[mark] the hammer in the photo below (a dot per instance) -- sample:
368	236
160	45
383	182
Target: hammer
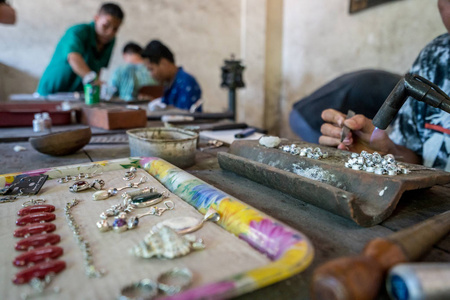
360	277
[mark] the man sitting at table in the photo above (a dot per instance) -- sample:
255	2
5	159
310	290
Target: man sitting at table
82	52
128	78
181	89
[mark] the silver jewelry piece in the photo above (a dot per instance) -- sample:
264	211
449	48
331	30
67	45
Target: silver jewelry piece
102	195
85	247
170	282
145	289
82	185
375	163
175	280
33	202
131	174
80	176
121	223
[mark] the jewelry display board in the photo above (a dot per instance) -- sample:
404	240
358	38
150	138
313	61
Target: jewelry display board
244	251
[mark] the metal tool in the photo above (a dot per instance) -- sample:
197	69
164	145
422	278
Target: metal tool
415	281
360	277
345	130
413	86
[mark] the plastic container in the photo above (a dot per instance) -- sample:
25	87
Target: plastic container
174	145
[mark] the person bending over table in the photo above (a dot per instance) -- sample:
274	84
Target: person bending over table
181	89
128	78
82	52
7	13
421	133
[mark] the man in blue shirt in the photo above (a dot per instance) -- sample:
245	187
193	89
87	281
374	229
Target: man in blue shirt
181	89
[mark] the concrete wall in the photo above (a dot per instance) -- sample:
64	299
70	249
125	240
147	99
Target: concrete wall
321	41
290	47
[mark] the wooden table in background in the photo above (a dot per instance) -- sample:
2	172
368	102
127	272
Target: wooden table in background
331	235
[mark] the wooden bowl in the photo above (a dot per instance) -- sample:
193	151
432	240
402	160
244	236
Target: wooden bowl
62	143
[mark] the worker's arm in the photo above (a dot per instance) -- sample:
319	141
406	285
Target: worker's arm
7	14
363	136
79	66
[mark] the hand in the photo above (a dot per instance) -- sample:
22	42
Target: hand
363	135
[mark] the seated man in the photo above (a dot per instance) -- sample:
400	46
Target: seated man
362	91
82	52
181	88
129	78
421	133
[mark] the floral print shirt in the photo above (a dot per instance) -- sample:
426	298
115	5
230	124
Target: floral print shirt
418	126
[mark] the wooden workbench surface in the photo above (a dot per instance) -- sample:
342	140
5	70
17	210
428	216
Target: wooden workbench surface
331	235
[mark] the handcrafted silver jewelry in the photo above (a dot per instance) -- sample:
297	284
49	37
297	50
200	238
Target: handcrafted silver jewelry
170	282
121	223
144	289
375	163
309	152
85	247
102	195
39	287
131	174
82	185
80	176
33	202
141	200
174	280
166	243
11	198
184	225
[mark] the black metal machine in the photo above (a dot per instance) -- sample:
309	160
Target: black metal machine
232	79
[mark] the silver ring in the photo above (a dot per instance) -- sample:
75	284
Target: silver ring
144	289
174	280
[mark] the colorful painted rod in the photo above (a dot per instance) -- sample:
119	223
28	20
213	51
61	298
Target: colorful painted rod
290	251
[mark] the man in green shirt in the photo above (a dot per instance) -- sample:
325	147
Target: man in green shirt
82	52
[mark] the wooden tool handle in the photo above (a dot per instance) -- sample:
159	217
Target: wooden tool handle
360	277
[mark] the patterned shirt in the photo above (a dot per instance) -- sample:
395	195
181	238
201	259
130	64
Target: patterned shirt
418	126
129	78
183	92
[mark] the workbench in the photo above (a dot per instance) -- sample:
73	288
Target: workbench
331	235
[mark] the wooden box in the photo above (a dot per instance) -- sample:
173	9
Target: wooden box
114	117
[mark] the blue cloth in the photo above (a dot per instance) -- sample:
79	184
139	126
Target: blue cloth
409	127
129	78
183	92
362	91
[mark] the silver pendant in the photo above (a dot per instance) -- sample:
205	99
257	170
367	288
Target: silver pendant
84	185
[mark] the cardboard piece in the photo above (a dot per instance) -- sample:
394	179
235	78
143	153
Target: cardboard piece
114	117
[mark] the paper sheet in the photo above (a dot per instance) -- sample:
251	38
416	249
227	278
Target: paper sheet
227	136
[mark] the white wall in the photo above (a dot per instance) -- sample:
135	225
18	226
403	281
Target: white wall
321	41
201	33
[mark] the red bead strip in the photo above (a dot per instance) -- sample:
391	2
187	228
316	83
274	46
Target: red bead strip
39	271
35	218
38	240
34	228
35	209
38	255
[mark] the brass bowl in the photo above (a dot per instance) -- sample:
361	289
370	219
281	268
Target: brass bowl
62	143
